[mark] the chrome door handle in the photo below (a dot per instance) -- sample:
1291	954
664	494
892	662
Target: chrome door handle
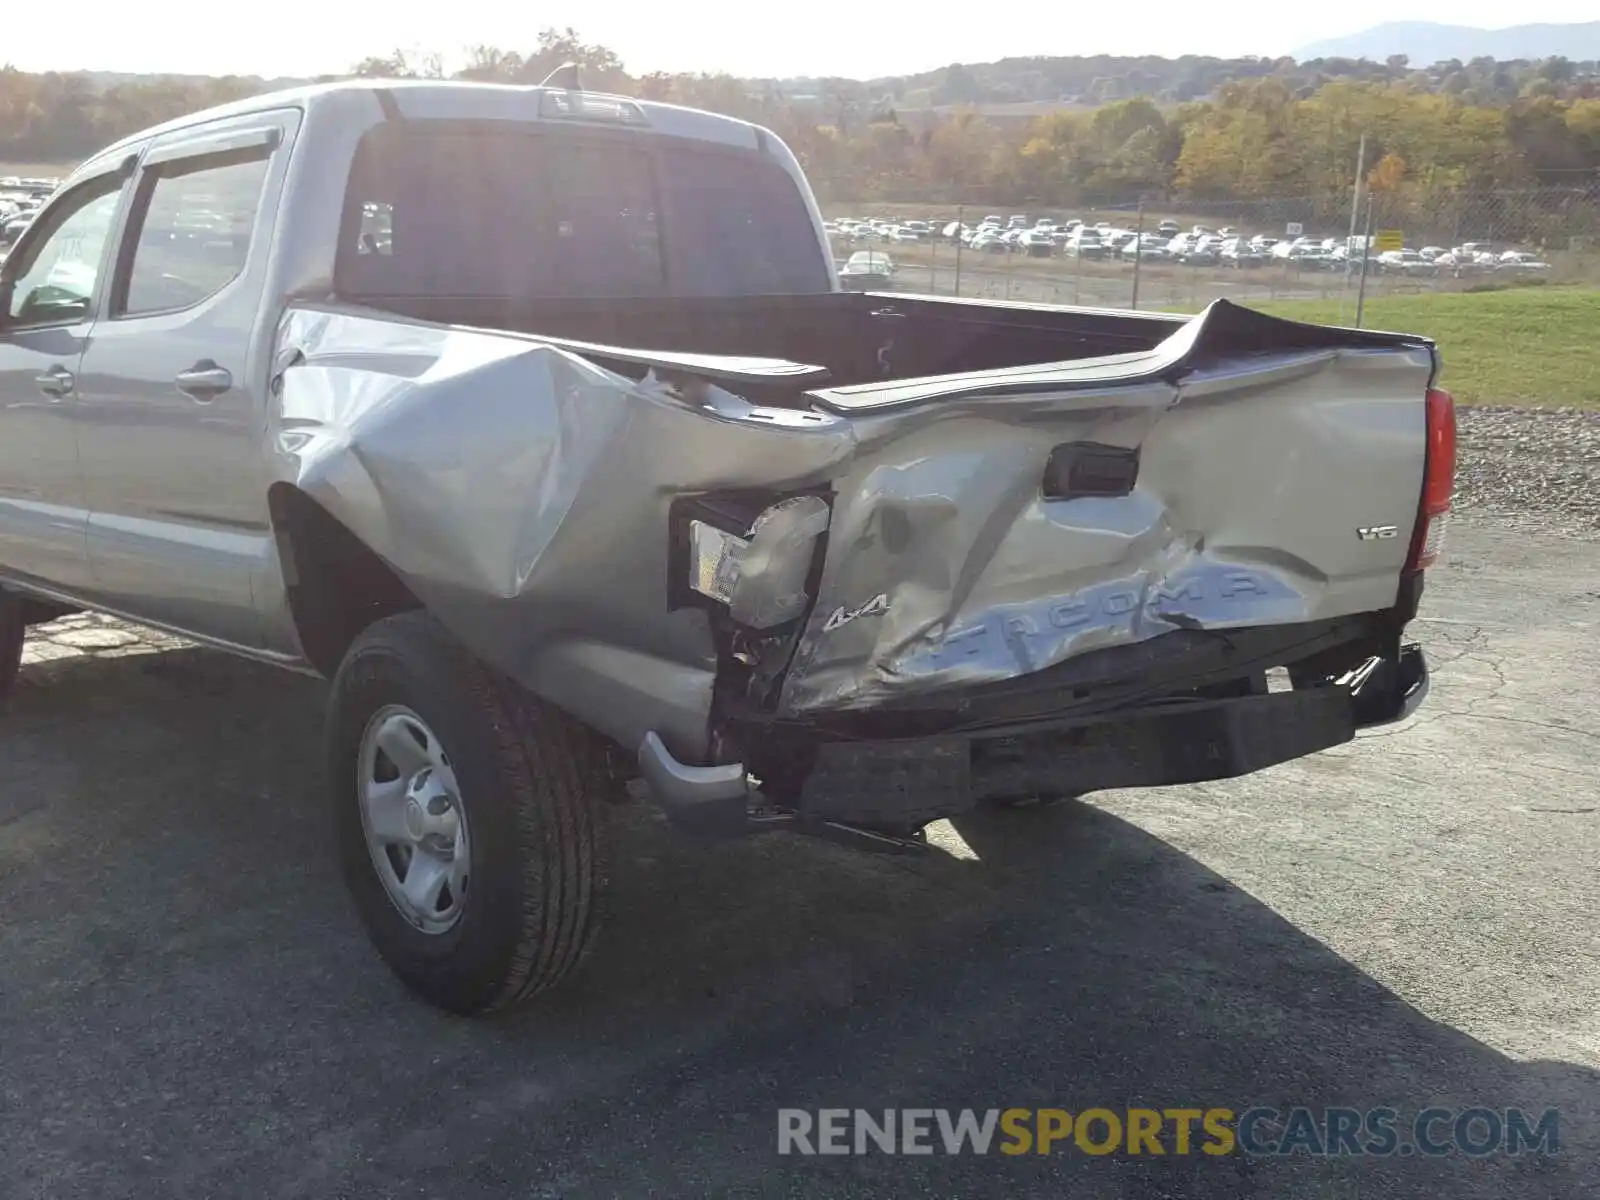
56	382
204	380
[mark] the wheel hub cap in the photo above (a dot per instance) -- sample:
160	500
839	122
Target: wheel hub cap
411	814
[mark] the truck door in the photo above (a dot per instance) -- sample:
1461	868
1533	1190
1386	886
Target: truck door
48	291
170	417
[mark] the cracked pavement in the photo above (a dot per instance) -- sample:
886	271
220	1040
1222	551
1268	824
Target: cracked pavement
190	1009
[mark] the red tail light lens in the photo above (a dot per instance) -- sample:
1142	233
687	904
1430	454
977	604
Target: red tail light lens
1438	481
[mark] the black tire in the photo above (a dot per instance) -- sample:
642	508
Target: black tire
12	632
531	781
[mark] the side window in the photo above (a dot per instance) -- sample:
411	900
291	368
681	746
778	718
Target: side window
377	228
53	280
191	230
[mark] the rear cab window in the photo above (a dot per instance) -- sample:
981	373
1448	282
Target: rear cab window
498	209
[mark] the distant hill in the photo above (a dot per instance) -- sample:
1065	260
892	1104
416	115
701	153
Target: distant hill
1066	82
102	81
1425	43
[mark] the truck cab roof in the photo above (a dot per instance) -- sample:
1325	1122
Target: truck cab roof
428	99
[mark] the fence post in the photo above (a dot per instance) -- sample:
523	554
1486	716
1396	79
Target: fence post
961	224
1366	242
1138	255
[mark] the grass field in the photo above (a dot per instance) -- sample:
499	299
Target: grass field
1526	346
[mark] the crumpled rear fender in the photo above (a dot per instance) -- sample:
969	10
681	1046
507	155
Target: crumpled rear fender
522	492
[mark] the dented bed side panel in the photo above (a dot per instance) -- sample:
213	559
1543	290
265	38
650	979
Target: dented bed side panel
948	568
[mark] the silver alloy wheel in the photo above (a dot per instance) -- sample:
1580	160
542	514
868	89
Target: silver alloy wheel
411	814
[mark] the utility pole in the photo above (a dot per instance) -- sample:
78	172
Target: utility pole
1355	214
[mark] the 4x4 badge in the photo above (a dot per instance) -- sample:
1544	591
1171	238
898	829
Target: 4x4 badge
842	616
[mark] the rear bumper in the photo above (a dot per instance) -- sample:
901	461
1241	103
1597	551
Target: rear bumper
898	785
1391	689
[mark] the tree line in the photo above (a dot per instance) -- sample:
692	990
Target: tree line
1262	128
1103	78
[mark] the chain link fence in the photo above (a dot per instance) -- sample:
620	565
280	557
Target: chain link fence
1252	251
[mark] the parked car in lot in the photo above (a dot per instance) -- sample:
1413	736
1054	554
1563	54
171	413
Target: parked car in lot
1522	260
13	227
867	271
1405	262
592	473
1037	244
1084	242
1193	250
1146	245
1302	254
1240	254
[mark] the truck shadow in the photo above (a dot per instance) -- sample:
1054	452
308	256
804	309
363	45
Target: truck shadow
201	1008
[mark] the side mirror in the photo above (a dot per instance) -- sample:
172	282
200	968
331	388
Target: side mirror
47	304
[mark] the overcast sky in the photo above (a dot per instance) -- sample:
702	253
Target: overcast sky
743	37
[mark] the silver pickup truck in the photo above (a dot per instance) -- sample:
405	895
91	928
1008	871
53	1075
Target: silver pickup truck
537	421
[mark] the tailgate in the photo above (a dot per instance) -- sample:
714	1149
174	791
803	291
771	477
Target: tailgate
1248	471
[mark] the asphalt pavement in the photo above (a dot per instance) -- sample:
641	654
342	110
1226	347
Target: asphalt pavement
188	1008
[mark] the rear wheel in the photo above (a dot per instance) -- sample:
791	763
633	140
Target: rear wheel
467	811
12	631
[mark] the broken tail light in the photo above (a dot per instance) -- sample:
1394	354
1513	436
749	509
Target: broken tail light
1438	481
714	560
761	573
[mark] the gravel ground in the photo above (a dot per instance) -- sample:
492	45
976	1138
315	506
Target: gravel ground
1538	467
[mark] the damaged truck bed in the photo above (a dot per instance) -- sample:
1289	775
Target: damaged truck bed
537	422
735	564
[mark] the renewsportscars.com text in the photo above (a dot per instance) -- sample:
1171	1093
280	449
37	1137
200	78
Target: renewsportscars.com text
1379	1132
